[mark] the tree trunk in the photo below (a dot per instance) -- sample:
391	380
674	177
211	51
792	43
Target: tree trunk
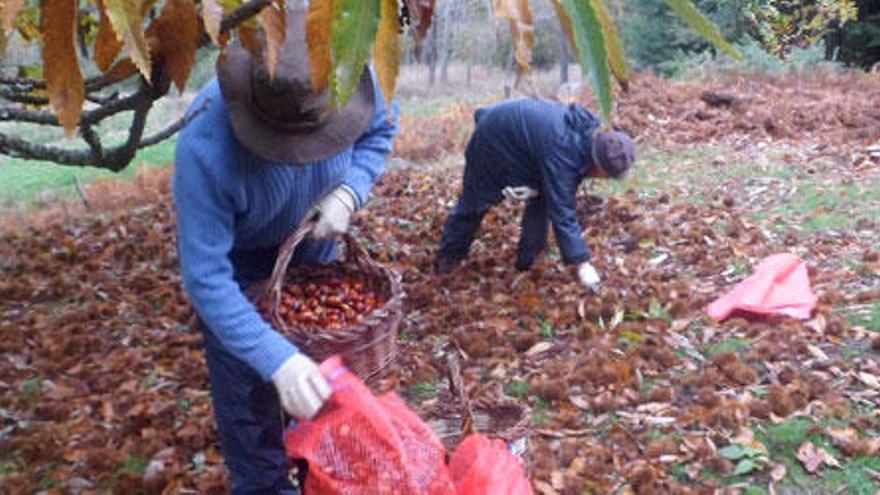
431	50
470	70
563	57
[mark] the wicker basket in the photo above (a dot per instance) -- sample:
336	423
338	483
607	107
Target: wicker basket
368	347
506	421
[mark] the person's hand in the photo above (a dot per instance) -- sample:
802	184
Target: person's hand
302	388
588	276
333	213
519	193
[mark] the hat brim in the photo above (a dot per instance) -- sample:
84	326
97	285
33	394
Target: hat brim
338	131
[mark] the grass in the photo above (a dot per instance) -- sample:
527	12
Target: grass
32	181
733	344
783	441
25	180
422	391
8	468
867	316
814	204
518	389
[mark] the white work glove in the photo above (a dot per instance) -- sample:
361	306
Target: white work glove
519	193
302	388
334	212
588	276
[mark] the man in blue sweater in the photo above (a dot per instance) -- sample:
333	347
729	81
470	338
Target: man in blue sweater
261	155
537	151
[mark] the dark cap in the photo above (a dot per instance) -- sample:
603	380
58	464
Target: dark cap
614	152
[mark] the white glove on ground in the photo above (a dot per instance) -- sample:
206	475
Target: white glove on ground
519	193
588	276
334	212
301	386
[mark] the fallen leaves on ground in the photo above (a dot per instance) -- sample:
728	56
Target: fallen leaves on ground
104	383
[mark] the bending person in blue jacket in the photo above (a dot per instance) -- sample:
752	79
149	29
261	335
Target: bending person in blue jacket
261	155
538	151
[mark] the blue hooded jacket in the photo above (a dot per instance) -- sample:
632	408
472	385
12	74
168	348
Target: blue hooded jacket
537	143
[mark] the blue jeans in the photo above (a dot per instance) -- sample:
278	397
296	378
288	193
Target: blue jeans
250	423
247	410
462	224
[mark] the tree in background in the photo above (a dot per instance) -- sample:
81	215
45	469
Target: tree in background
858	41
780	25
654	37
100	58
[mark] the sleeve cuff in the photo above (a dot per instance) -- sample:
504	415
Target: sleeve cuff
270	353
358	203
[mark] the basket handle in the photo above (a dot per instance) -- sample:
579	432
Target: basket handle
456	385
354	253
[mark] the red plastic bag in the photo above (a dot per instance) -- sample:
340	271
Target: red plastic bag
360	444
779	286
480	466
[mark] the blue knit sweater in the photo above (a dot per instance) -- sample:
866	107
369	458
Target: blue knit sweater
230	201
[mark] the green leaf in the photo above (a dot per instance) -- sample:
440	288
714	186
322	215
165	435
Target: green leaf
517	389
591	48
354	32
616	54
654	307
701	24
617	319
746	466
736	451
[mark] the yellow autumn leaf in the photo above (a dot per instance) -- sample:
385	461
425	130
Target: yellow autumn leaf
565	21
175	36
319	27
10	10
212	15
127	21
64	81
519	16
106	45
616	54
273	20
387	50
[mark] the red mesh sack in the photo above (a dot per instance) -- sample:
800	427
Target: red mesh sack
780	285
480	466
361	444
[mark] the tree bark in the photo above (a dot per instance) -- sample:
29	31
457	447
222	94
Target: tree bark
564	56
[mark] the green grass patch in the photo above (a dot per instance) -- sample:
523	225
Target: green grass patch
783	441
518	389
732	344
867	316
854	476
423	390
25	180
817	206
7	468
755	490
539	411
547	330
134	465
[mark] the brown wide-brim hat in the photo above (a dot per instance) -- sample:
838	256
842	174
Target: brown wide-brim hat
282	118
